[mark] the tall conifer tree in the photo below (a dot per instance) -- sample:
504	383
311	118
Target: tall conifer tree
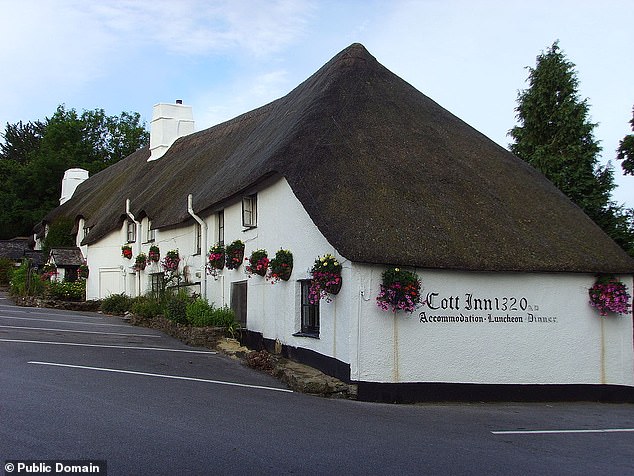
555	136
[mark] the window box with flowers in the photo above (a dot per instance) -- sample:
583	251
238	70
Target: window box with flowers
258	263
216	257
400	291
281	266
234	254
171	261
154	255
126	251
325	279
140	262
609	294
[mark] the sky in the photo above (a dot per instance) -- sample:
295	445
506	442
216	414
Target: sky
227	57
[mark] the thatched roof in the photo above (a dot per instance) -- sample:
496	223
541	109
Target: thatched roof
387	175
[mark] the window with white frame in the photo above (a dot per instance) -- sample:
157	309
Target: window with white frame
151	233
131	231
221	227
249	211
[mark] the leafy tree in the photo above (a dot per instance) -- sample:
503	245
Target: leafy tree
35	155
625	151
555	136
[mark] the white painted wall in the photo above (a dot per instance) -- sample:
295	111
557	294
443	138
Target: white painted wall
578	347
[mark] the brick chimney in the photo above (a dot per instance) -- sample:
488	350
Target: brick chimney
169	122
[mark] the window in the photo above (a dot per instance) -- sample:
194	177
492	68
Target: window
151	234
157	285
198	238
221	227
249	211
86	231
131	231
310	312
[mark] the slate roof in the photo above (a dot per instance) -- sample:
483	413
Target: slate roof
65	257
386	174
14	249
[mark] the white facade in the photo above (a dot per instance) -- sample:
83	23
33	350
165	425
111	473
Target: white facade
482	328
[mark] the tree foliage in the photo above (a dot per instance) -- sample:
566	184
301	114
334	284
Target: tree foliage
555	136
625	151
35	155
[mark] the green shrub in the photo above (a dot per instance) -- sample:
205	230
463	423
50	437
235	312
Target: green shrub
25	281
6	269
146	307
199	313
116	304
225	317
176	307
66	291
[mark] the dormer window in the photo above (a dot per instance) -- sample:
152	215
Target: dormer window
221	227
131	231
151	233
249	211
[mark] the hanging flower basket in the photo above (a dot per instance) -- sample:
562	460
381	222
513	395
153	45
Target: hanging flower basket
216	257
400	291
326	279
140	262
171	261
154	255
126	251
609	294
83	271
281	267
258	263
234	254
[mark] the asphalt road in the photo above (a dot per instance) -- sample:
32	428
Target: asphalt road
91	387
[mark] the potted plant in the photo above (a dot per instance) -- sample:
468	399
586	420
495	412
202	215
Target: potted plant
281	266
216	257
126	251
609	294
258	263
154	254
326	278
171	261
234	254
400	291
140	262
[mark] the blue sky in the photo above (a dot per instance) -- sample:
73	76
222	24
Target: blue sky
226	57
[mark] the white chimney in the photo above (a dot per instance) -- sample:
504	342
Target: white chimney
169	122
70	182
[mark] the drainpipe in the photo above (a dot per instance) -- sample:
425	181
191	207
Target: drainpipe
203	245
137	242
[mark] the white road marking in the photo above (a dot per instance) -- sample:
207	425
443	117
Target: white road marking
39	319
79	332
43	311
548	432
173	377
22	341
